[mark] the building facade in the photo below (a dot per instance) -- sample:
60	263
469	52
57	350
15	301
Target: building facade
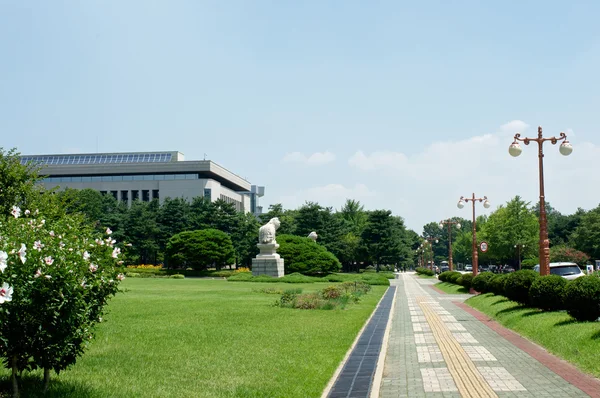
146	176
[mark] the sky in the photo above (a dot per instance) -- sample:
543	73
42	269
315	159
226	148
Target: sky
401	105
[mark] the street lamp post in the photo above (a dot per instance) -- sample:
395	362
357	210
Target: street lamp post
565	149
449	223
518	246
486	204
431	240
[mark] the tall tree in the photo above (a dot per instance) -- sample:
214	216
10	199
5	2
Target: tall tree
330	229
383	239
510	225
586	236
286	218
355	215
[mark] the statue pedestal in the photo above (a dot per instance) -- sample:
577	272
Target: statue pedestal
268	262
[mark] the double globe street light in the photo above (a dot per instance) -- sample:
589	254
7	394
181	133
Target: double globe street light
565	149
486	204
450	223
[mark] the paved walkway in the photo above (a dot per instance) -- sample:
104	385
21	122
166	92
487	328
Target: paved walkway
437	349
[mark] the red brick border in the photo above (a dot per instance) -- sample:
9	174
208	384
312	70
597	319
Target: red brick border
570	373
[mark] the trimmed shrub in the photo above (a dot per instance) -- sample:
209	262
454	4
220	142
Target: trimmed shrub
177	276
547	292
517	285
424	271
496	284
465	281
582	298
453	277
481	281
303	255
444	276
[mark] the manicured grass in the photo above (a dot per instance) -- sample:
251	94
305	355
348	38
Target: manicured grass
211	338
451	288
576	342
426	276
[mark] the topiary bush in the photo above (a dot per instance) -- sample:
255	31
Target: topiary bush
303	255
453	277
424	271
582	298
444	276
517	285
481	281
547	292
496	284
465	281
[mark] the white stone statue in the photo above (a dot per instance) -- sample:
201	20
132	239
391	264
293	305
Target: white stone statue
313	235
266	233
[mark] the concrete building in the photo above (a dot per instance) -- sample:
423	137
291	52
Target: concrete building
146	176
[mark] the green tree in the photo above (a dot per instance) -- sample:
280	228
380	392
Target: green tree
17	183
245	239
141	231
355	215
508	226
200	249
287	218
330	229
384	239
586	236
306	256
564	253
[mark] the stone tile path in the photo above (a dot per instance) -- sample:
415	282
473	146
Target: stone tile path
437	349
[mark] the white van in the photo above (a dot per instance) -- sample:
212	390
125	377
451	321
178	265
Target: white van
568	271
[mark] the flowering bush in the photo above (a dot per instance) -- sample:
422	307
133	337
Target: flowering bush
56	278
564	253
241	269
145	266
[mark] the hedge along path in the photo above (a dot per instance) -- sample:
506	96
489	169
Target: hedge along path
469	381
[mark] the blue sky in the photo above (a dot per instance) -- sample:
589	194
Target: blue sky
401	105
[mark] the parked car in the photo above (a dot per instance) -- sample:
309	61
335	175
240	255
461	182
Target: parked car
469	268
568	271
444	268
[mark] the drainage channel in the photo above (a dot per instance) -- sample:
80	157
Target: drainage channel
356	377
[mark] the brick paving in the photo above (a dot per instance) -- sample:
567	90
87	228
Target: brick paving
439	348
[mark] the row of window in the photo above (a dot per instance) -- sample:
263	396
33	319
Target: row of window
135	195
99	159
138	177
238	205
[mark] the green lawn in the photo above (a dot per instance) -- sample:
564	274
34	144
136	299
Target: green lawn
212	338
576	342
451	288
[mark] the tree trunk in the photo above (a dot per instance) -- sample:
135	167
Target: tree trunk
46	379
15	383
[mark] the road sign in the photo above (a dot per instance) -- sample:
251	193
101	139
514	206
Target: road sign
484	246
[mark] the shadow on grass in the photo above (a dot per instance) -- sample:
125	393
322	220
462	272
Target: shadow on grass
567	322
504	300
32	387
532	312
596	335
511	309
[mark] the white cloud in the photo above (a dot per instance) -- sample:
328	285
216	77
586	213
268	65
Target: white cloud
425	186
514	126
316	159
327	195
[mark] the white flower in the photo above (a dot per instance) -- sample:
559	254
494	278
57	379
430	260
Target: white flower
3	258
27	212
83	285
120	262
36	212
116	251
48	260
5	293
129	245
43	222
37	245
108	231
100	242
38	273
51	233
93	268
48	276
70	249
120	277
22	253
86	255
61	244
16	212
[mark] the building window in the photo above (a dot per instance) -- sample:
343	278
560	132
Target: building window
155	194
146	195
125	196
135	195
207	193
115	194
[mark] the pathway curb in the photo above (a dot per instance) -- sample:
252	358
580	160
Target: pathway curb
376	384
564	369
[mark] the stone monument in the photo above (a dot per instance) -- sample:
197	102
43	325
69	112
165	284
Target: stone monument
268	262
313	235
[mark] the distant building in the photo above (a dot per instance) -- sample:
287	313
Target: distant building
146	176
